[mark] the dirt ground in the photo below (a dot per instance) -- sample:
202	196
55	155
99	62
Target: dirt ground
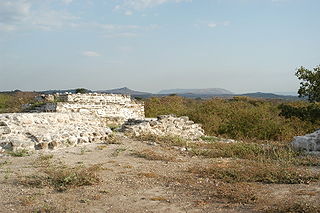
129	183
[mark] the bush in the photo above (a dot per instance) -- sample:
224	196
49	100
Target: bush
13	101
238	118
310	113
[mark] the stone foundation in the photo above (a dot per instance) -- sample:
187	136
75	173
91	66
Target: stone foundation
165	125
113	106
50	130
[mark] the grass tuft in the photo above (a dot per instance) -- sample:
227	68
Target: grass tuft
63	178
151	155
19	153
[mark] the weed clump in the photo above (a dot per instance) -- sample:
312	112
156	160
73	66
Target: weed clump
151	155
63	178
19	153
163	140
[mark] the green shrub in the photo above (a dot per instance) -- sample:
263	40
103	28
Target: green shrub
238	118
311	112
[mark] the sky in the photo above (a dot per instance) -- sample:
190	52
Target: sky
150	45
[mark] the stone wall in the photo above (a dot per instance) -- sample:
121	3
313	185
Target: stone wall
165	125
50	130
118	106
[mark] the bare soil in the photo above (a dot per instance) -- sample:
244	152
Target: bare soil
136	176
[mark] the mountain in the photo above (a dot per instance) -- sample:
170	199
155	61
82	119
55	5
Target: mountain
61	91
125	90
270	96
287	93
188	93
208	91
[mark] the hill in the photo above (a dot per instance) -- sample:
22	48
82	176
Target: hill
125	90
207	91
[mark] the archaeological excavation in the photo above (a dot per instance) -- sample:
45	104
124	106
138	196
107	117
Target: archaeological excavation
64	120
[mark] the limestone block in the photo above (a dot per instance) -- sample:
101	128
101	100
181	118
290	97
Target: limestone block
309	142
50	130
164	125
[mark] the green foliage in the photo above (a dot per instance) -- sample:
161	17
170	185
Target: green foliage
238	118
310	83
310	112
81	90
19	153
13	101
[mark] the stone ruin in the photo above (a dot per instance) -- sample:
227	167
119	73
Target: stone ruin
309	143
63	120
113	107
165	125
50	130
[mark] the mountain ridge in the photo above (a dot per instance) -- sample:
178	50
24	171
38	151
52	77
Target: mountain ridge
213	91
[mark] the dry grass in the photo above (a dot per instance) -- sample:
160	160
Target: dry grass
118	151
236	193
63	178
113	139
19	153
49	209
249	171
101	147
152	155
148	174
163	140
159	198
293	206
208	190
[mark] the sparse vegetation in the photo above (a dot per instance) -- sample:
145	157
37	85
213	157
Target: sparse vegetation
292	205
4	163
118	151
152	155
113	139
19	153
163	140
249	171
63	177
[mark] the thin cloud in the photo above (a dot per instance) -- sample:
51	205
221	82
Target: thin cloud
216	24
18	15
13	11
90	54
143	4
212	25
67	1
121	35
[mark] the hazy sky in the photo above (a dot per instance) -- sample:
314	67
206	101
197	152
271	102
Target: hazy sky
149	45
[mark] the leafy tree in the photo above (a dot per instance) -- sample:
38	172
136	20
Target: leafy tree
310	85
81	90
